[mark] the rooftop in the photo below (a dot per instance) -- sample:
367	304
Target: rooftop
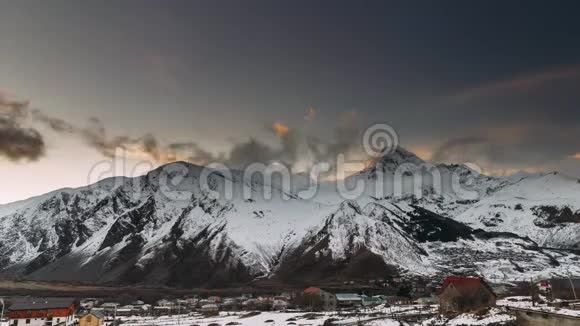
348	297
40	303
312	291
465	285
97	314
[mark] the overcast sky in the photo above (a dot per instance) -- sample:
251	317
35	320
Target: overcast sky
491	82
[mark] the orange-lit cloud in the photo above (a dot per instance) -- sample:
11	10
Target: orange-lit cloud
281	129
524	82
311	115
576	156
423	152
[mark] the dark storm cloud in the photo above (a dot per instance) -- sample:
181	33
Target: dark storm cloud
23	143
287	150
146	146
298	146
16	141
250	152
55	124
508	149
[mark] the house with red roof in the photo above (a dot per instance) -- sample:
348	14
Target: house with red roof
41	312
461	294
316	298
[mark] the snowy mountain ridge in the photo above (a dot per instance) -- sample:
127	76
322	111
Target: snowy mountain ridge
143	231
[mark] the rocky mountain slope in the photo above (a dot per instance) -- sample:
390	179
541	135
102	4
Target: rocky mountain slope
165	229
545	207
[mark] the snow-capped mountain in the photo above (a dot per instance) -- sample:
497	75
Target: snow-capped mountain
544	207
169	228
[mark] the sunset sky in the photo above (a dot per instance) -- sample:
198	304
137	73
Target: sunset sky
491	82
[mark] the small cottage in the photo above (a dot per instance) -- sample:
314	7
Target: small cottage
465	294
348	300
95	318
319	299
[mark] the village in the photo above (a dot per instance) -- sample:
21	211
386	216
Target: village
457	300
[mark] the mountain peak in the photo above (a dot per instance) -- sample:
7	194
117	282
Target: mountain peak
391	161
401	155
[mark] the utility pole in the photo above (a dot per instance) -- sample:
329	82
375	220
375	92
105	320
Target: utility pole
115	316
178	312
2	315
552	288
573	288
532	294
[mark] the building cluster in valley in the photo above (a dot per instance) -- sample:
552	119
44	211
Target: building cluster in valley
454	295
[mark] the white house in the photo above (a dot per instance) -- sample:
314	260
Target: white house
42	312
